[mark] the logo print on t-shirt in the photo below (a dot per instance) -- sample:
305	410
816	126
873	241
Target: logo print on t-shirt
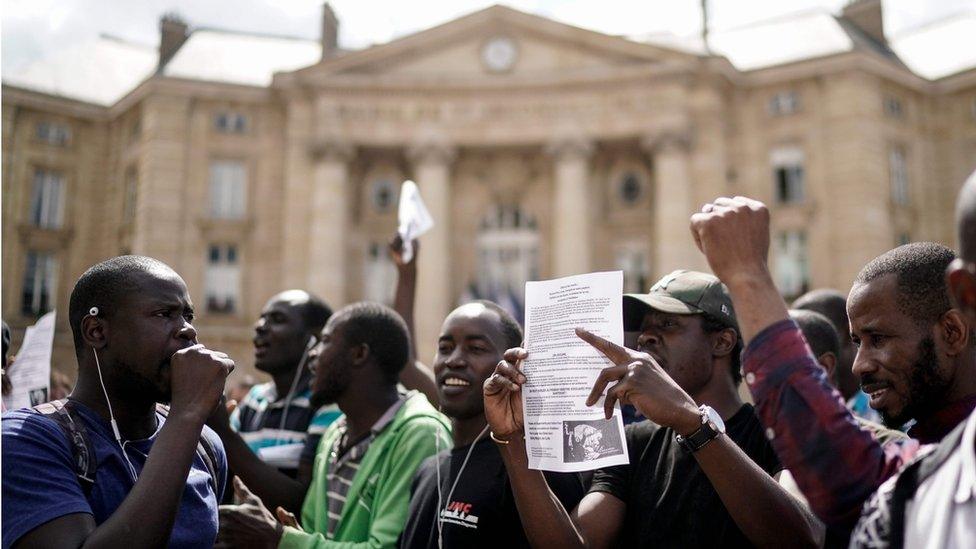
459	512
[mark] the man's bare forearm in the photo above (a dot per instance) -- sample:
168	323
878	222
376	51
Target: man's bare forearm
403	302
757	302
546	522
415	375
146	516
761	508
271	485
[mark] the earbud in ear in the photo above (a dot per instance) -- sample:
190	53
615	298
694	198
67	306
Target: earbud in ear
93	311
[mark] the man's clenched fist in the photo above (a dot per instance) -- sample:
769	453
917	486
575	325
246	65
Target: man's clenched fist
733	233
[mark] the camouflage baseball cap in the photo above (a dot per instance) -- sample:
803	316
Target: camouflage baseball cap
684	293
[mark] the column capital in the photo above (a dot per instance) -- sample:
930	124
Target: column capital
431	152
331	149
667	141
570	147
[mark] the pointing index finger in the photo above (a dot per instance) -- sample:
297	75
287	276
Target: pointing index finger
611	350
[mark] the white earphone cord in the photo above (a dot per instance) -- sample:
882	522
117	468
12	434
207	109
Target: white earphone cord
437	469
291	391
111	415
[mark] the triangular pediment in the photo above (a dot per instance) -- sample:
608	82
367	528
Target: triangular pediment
495	42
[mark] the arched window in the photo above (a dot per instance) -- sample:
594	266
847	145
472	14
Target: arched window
508	256
380	274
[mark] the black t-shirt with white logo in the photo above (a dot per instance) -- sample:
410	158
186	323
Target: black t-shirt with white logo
481	512
670	501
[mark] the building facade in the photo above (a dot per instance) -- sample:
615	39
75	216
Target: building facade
541	150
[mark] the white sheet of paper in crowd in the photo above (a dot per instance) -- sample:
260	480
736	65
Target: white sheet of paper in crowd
562	433
412	217
30	374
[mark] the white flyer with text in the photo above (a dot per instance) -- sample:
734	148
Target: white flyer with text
30	374
562	433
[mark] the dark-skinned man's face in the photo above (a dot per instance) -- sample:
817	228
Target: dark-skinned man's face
150	324
330	363
897	360
680	345
468	349
280	333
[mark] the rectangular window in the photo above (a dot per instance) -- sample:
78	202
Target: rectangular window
230	122
788	175
893	107
47	199
53	133
898	175
784	103
792	263
40	283
228	189
633	262
130	196
223	279
380	275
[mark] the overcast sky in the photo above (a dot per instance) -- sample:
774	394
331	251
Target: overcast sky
32	29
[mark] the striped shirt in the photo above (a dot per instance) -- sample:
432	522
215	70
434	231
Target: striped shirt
344	462
281	435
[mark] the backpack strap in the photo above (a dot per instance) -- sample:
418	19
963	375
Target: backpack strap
913	475
205	451
81	447
208	453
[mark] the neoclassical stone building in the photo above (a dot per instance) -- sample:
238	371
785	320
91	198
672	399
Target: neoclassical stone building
253	164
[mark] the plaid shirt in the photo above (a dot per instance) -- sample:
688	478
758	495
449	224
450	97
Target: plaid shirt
835	463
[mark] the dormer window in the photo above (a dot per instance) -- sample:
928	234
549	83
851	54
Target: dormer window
893	107
784	103
230	122
53	133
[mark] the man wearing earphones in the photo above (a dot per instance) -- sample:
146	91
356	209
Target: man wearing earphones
272	435
147	483
275	418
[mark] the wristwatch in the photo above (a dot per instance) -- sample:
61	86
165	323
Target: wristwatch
711	427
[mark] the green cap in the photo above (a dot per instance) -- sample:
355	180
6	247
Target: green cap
683	293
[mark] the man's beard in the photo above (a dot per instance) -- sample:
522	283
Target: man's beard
927	387
333	386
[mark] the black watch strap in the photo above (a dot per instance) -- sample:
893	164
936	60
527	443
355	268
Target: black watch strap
697	440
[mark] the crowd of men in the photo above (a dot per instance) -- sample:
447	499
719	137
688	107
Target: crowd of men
861	431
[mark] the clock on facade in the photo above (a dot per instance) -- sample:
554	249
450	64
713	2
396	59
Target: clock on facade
499	53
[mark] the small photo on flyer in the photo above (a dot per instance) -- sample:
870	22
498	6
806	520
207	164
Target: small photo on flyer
590	440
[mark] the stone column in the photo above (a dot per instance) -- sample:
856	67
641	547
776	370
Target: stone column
572	230
435	284
296	214
329	222
673	205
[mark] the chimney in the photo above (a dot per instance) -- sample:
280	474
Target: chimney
330	32
172	34
866	15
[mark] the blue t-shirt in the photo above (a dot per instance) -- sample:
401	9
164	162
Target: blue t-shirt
40	483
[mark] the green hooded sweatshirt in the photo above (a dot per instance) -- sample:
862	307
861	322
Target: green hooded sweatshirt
379	498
